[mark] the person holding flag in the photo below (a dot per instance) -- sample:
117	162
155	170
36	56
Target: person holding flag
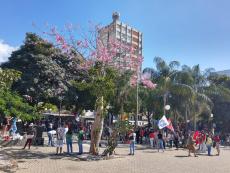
160	141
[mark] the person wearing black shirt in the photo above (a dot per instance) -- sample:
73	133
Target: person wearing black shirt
176	140
160	141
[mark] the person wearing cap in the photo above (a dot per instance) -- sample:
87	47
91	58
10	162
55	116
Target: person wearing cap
30	134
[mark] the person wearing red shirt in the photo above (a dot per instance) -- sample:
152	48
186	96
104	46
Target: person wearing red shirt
151	138
217	143
142	132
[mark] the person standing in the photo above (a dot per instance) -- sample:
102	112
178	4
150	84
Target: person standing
60	138
151	139
160	141
13	128
170	139
69	141
132	139
66	130
209	144
50	134
138	135
6	123
176	140
142	132
30	135
217	144
80	141
164	140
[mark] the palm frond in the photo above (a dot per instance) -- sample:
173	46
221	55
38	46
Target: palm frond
174	65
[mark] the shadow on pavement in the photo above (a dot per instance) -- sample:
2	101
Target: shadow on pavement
155	151
22	155
7	170
181	156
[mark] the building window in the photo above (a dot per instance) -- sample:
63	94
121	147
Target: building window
123	36
123	29
135	33
135	40
129	39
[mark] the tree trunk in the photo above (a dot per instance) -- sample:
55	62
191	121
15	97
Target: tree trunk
194	122
186	117
112	144
97	128
164	99
137	108
149	119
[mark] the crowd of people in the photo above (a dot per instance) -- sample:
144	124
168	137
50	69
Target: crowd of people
60	133
196	142
65	134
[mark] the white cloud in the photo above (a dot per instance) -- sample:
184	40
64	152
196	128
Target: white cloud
5	51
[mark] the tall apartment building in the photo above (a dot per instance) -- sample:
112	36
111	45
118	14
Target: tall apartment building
120	31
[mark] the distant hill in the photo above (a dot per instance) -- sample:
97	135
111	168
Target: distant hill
224	72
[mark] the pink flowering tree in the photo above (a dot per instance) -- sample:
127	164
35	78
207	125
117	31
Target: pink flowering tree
102	59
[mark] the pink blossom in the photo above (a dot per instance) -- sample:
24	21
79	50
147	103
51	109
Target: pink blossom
93	53
64	46
79	42
148	84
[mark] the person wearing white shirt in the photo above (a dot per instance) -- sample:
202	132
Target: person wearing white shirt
132	139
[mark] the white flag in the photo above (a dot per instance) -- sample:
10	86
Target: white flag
163	122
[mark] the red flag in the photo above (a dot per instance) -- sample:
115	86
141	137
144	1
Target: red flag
170	126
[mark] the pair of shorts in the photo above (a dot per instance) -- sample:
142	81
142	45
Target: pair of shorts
59	143
217	145
191	147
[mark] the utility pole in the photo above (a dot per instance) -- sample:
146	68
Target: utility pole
137	96
137	109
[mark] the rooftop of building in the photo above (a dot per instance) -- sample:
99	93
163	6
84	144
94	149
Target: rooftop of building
116	19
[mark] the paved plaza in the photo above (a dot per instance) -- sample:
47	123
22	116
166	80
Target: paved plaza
44	160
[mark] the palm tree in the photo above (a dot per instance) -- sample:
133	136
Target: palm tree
196	100
164	76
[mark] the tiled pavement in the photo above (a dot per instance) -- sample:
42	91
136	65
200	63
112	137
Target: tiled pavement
44	160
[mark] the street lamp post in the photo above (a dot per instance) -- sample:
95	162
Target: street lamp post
60	107
60	98
187	125
166	109
212	128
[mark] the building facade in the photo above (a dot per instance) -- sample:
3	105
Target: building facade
125	34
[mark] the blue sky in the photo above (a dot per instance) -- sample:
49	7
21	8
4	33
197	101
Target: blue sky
191	31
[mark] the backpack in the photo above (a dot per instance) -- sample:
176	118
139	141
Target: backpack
131	138
81	136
